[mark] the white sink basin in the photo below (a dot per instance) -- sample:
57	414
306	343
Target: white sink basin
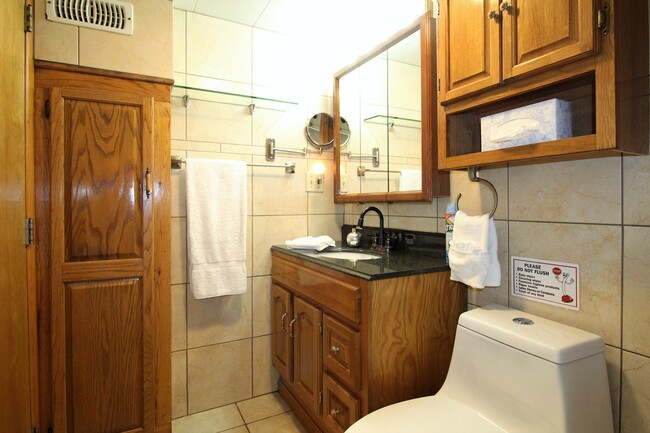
348	255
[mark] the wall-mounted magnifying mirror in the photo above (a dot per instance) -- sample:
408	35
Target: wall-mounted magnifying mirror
320	131
389	97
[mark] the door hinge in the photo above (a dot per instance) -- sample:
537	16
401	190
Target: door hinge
320	397
29	18
603	19
29	231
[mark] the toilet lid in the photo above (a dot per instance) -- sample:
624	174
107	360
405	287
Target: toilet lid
435	414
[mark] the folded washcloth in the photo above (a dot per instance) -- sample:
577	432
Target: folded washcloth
473	251
311	243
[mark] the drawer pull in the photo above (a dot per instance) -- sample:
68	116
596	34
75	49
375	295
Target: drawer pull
282	323
291	328
334	413
335	349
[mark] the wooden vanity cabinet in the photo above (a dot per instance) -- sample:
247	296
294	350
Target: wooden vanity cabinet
345	346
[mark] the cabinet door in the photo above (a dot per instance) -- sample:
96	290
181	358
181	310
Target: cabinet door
539	34
102	315
282	348
307	365
342	351
469	47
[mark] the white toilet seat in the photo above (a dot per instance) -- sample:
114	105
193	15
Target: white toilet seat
434	414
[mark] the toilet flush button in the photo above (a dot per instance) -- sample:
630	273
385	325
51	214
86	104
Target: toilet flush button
523	321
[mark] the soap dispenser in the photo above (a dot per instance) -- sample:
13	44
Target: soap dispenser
354	238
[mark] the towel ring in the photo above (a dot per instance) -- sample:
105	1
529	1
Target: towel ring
472	173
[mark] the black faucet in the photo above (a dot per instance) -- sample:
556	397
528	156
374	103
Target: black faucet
382	235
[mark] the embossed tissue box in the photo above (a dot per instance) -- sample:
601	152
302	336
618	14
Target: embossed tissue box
535	123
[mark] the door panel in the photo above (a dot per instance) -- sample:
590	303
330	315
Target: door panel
539	34
282	314
307	364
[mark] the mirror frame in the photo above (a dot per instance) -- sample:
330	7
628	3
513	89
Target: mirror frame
434	182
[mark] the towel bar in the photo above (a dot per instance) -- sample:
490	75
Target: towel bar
289	167
472	173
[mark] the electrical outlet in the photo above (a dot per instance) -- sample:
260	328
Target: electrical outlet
315	182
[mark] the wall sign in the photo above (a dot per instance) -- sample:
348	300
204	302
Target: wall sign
553	283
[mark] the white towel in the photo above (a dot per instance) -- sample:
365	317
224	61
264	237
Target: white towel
216	227
473	251
410	180
310	243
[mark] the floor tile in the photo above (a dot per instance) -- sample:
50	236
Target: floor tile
262	407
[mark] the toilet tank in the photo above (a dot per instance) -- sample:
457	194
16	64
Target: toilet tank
529	374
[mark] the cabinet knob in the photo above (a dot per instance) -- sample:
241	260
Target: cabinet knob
334	413
335	349
493	15
505	7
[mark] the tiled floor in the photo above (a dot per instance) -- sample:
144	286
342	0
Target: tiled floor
265	414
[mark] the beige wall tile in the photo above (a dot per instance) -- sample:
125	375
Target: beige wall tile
636	290
420	224
586	191
220	319
613	359
495	295
179	317
329	225
226	57
276	62
429	210
635	398
278	193
55	42
261	306
178	188
597	250
219	375
218	122
179	40
265	376
179	121
211	421
286	423
151	43
477	197
179	384
285	123
323	202
261	407
636	190
179	250
272	230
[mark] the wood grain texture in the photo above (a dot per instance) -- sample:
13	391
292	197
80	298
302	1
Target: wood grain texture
342	352
307	370
340	407
281	342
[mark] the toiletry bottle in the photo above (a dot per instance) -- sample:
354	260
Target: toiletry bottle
450	215
354	238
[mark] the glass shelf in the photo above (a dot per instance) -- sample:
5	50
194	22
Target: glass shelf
251	101
394	121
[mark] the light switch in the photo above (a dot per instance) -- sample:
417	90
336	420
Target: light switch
315	182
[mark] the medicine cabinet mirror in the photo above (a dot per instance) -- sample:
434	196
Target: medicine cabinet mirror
388	96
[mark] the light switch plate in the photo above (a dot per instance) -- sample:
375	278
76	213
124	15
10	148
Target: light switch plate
315	182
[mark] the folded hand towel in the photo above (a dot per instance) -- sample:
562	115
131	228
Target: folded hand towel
473	251
311	243
410	180
216	227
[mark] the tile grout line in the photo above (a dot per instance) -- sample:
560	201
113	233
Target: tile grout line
622	252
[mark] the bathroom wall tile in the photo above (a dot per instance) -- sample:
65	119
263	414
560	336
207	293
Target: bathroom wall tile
271	230
249	246
178	188
442	205
179	41
205	146
261	306
265	376
219	375
55	42
636	190
321	102
276	62
226	57
243	149
178	147
179	120
218	122
261	407
635	395
587	191
278	193
414	209
179	250
495	295
597	249
151	43
636	288
211	421
286	423
179	317
371	218
414	223
220	319
179	384
613	359
323	202
476	197
329	225
283	122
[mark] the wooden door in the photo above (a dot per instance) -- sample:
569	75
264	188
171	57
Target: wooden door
307	363
101	145
539	34
469	47
282	343
15	416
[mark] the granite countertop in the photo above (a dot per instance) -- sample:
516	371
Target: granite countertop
391	264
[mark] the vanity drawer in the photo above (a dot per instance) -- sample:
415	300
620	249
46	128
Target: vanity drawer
340	408
342	351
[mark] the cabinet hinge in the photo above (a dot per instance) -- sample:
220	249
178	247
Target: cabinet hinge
320	328
438	84
603	19
29	231
320	397
29	18
47	109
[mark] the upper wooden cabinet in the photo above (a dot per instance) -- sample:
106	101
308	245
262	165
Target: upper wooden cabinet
591	55
485	42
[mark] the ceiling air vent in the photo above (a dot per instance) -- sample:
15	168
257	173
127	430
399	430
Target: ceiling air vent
112	16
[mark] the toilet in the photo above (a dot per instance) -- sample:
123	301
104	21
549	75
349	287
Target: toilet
510	372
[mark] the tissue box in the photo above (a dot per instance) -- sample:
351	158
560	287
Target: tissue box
535	123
